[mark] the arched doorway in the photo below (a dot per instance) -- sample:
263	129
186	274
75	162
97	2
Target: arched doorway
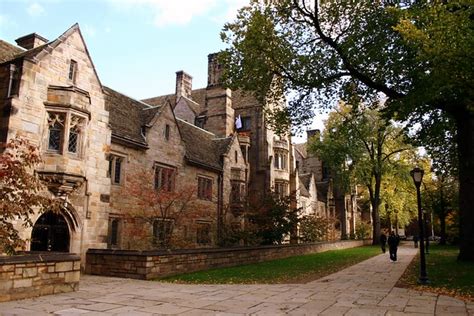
50	233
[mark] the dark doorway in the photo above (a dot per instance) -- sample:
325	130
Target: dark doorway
50	233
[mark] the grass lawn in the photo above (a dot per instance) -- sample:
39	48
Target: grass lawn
299	269
447	275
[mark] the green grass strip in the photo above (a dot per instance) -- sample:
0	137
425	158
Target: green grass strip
447	275
298	269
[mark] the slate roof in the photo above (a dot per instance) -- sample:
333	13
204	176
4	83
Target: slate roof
8	51
303	190
127	116
198	100
301	148
202	147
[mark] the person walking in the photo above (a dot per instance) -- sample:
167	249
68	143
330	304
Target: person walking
393	241
415	240
383	241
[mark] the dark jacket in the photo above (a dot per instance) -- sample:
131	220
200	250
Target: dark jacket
393	241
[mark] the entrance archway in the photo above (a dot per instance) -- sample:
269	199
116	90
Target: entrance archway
50	233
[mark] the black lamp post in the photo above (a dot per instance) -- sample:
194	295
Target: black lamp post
427	227
417	175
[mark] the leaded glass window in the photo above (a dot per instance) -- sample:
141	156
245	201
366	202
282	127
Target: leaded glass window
56	130
74	134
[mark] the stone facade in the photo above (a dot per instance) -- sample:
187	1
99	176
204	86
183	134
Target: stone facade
27	276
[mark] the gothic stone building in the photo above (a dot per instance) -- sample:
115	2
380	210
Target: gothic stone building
94	140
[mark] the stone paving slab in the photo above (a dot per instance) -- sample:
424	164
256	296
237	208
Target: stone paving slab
364	289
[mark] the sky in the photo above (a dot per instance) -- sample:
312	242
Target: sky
136	45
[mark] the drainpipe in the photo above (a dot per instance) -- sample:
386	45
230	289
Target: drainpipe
10	79
220	205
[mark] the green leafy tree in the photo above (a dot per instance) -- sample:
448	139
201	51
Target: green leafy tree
417	53
22	192
362	147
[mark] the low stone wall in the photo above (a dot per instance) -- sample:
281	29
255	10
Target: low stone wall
30	275
153	264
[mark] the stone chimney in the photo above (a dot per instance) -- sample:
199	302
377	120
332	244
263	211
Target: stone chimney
184	85
313	132
31	41
214	70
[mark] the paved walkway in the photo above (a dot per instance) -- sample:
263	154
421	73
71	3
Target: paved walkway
366	288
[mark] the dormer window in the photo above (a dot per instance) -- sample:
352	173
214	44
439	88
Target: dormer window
72	70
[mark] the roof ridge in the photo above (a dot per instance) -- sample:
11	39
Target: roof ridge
197	127
131	98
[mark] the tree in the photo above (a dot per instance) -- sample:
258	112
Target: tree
161	209
362	147
417	54
23	194
441	199
271	219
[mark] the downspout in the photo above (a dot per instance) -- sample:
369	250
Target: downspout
220	205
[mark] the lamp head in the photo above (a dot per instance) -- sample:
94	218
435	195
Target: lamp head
417	175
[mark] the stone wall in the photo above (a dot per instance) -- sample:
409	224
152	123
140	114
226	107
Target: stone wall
154	264
33	275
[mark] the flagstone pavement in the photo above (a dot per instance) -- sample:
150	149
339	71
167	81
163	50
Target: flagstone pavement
364	289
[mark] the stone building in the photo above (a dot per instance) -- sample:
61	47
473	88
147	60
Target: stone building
94	141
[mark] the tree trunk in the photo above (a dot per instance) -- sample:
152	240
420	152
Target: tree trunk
442	227
465	140
375	201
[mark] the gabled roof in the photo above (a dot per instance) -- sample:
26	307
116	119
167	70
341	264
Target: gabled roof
127	116
42	50
196	102
202	147
301	149
303	190
8	51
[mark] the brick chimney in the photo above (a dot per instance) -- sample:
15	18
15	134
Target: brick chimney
31	41
184	85
214	70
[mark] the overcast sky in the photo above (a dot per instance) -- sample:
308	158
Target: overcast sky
136	45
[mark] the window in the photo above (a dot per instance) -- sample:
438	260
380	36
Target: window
75	129
162	229
114	232
200	121
236	156
65	132
246	123
281	188
280	161
164	178
56	122
204	188
72	70
203	233
244	152
115	169
237	192
167	132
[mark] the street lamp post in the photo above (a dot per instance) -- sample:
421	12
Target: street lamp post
417	175
427	225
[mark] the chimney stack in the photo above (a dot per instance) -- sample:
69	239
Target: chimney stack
184	85
214	70
30	41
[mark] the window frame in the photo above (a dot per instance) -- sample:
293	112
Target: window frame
69	117
72	73
113	158
159	239
170	180
246	124
206	238
204	188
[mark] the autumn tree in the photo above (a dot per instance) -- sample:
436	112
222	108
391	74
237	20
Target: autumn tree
361	147
418	54
22	192
159	207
